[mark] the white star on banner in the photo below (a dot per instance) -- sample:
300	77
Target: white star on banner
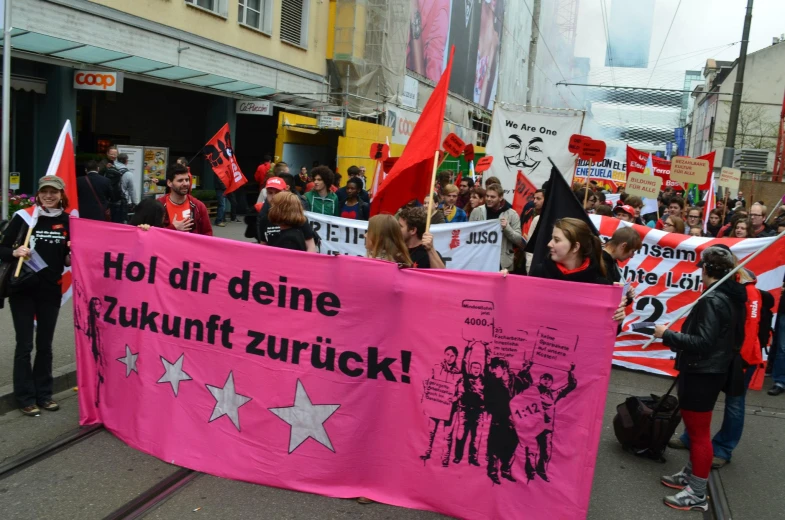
227	402
306	419
174	373
129	360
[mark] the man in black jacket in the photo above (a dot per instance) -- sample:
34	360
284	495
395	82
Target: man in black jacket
94	192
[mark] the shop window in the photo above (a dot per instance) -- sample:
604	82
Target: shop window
257	14
294	22
218	7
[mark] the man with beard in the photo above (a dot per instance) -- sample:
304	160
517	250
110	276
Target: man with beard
183	211
496	207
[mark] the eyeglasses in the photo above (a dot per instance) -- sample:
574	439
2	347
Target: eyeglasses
667	224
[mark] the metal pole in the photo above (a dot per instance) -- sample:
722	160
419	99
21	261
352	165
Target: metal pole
6	123
687	308
733	120
533	52
779	203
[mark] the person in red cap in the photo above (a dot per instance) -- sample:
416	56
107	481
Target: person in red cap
625	213
265	231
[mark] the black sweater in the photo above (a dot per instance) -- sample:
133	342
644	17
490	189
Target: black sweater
50	240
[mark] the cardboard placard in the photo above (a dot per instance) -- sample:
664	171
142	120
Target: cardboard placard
379	152
689	170
730	178
454	145
642	185
468	152
592	150
483	164
576	140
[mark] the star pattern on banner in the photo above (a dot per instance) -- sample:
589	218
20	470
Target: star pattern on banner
174	373
306	419
129	360
227	401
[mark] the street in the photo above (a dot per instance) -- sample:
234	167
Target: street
94	477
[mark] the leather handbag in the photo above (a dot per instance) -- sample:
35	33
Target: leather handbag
7	268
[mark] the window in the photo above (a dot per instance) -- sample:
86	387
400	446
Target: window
256	13
214	6
294	22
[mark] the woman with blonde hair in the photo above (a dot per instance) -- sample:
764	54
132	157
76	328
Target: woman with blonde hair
384	240
286	212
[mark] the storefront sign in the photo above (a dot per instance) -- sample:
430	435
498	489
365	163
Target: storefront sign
331	122
409	94
98	80
255	108
13	181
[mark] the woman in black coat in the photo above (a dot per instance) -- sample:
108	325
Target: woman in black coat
35	298
710	338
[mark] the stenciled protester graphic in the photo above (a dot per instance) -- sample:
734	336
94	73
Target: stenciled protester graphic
471	405
539	448
89	327
446	375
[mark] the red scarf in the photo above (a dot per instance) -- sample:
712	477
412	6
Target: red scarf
565	271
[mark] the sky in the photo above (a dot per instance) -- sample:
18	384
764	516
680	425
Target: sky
702	29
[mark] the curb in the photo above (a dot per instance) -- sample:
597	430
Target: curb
719	501
64	378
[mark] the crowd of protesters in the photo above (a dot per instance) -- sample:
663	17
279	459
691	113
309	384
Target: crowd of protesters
717	349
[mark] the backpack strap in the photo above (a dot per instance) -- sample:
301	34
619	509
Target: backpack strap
87	178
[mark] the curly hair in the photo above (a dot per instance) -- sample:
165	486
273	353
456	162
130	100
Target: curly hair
327	175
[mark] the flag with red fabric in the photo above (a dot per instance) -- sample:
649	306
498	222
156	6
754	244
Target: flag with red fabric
410	178
636	162
219	152
523	190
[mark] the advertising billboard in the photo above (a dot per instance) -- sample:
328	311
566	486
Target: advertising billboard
474	27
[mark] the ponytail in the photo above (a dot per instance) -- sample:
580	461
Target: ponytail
596	251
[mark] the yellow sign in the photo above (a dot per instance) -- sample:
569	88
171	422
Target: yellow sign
730	178
13	181
642	185
689	170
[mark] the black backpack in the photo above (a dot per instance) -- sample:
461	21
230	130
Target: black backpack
115	177
644	425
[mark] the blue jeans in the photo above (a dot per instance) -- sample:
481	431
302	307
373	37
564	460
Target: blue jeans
726	440
219	216
778	371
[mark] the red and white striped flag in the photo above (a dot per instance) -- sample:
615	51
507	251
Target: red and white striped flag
711	202
666	278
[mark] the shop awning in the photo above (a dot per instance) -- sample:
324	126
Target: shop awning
99	58
27	84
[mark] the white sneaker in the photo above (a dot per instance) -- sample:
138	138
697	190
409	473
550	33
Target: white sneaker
686	500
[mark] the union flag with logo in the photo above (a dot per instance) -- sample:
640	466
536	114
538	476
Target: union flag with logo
219	152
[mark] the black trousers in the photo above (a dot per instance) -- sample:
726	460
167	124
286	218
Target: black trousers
33	382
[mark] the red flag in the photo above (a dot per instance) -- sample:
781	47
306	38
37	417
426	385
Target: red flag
220	153
636	162
63	164
410	178
458	179
523	190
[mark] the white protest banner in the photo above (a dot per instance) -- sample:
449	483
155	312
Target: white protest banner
666	278
469	246
523	141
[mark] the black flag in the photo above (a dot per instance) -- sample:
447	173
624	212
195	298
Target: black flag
560	202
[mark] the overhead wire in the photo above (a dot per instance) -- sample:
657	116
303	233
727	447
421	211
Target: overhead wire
664	41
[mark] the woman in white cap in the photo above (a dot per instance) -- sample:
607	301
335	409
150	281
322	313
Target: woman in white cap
35	295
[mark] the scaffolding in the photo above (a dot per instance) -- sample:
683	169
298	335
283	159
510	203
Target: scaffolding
369	58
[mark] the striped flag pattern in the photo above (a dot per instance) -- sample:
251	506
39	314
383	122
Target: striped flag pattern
666	278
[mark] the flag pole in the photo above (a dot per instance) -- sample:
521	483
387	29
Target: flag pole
21	258
687	308
430	191
586	194
724	206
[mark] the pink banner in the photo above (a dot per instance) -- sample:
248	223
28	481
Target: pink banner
471	395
